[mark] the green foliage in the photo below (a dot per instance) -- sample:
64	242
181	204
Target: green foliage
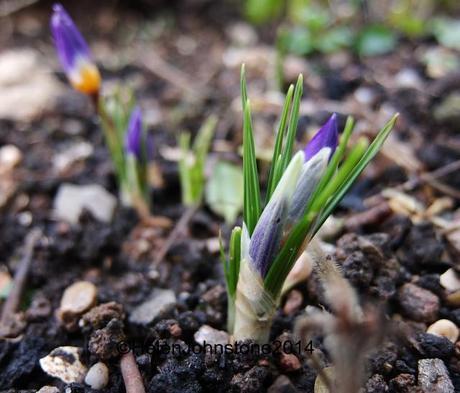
375	40
447	32
224	191
263	11
193	160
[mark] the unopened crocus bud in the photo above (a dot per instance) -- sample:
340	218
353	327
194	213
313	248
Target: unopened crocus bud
73	53
327	136
133	138
312	172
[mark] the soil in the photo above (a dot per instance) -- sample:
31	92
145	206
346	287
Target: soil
392	254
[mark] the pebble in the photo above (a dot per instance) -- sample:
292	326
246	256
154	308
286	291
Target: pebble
158	301
450	280
444	328
433	377
78	151
71	199
417	303
289	362
242	34
293	303
320	386
10	156
282	384
99	316
98	376
433	346
210	335
76	300
48	389
408	78
64	363
449	109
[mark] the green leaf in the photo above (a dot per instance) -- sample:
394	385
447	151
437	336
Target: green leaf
375	40
252	209
224	191
271	184
234	260
334	39
298	41
262	11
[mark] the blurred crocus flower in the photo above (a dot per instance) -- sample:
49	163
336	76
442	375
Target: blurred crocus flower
74	53
133	139
327	136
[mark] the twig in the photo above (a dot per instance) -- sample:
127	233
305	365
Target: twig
131	375
178	229
14	298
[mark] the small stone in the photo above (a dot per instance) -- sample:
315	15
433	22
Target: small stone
76	300
403	383
64	363
432	346
365	95
282	384
158	301
450	280
417	303
433	377
444	328
10	156
376	384
207	334
99	316
98	376
108	342
76	152
289	362
242	34
71	199
449	109
293	303
48	389
320	385
408	78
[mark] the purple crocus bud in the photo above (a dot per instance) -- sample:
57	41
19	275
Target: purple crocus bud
327	136
133	138
73	53
266	237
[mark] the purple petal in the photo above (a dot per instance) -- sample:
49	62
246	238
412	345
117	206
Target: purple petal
69	42
327	136
266	238
133	137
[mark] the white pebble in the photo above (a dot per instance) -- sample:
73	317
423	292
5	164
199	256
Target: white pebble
444	328
79	297
98	376
10	156
64	363
450	280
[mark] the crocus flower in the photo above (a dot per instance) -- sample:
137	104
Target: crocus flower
133	139
73	53
327	136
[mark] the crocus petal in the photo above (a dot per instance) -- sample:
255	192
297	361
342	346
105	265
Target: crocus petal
327	136
286	186
134	133
310	176
73	52
266	237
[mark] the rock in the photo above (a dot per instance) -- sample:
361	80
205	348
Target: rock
376	384
289	362
207	334
282	384
444	328
242	34
365	96
293	302
98	376
99	316
417	303
48	389
320	386
432	346
76	300
10	156
64	363
408	78
76	152
403	383
158	301
449	109
433	377
71	199
450	280
27	87
108	342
